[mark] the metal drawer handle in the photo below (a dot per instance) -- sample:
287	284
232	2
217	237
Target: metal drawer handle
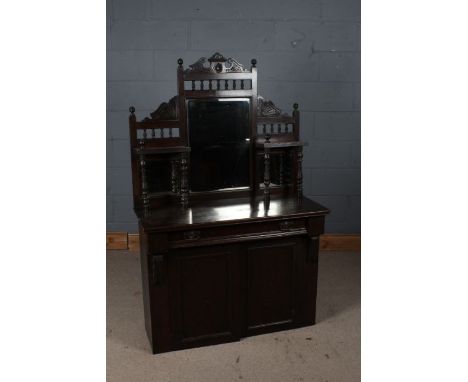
285	226
192	235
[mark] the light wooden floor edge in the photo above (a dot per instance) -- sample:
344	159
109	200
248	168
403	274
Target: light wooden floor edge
328	242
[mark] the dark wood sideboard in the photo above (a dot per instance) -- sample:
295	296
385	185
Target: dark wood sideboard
229	245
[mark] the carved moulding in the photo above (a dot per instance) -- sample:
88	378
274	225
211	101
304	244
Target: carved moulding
268	108
167	110
217	63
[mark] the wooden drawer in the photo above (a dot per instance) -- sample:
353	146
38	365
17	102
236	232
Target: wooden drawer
237	233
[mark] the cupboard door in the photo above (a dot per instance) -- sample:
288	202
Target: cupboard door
273	275
205	296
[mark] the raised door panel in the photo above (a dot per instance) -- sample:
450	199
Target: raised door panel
272	279
204	296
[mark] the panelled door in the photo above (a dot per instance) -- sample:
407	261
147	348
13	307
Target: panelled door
222	293
205	298
274	276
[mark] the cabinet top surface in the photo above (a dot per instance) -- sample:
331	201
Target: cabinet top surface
226	211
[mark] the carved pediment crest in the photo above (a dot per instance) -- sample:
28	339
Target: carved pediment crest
202	65
267	108
217	63
167	110
217	57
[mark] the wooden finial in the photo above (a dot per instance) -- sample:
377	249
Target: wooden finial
132	109
254	62
296	106
180	61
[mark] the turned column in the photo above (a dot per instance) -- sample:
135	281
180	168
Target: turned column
299	172
184	180
144	182
266	174
174	183
281	169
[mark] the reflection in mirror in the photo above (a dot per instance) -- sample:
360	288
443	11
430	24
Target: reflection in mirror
219	140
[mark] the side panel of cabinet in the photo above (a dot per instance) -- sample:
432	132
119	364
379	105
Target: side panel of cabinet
274	275
205	296
310	282
145	283
155	292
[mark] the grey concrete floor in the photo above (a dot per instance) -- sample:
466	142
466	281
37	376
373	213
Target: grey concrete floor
328	351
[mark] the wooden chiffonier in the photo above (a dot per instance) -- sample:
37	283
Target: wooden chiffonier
229	245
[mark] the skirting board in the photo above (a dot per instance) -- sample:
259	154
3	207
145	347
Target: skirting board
328	242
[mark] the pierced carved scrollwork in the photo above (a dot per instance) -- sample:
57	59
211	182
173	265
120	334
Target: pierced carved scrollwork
201	65
217	63
233	66
217	57
268	108
167	110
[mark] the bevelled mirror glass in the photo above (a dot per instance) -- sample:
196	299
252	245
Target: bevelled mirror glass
219	141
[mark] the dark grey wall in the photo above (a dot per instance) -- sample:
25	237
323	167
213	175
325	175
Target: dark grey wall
308	51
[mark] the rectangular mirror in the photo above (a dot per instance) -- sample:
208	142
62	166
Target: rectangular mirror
220	141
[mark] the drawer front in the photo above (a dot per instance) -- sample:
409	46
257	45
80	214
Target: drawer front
237	232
